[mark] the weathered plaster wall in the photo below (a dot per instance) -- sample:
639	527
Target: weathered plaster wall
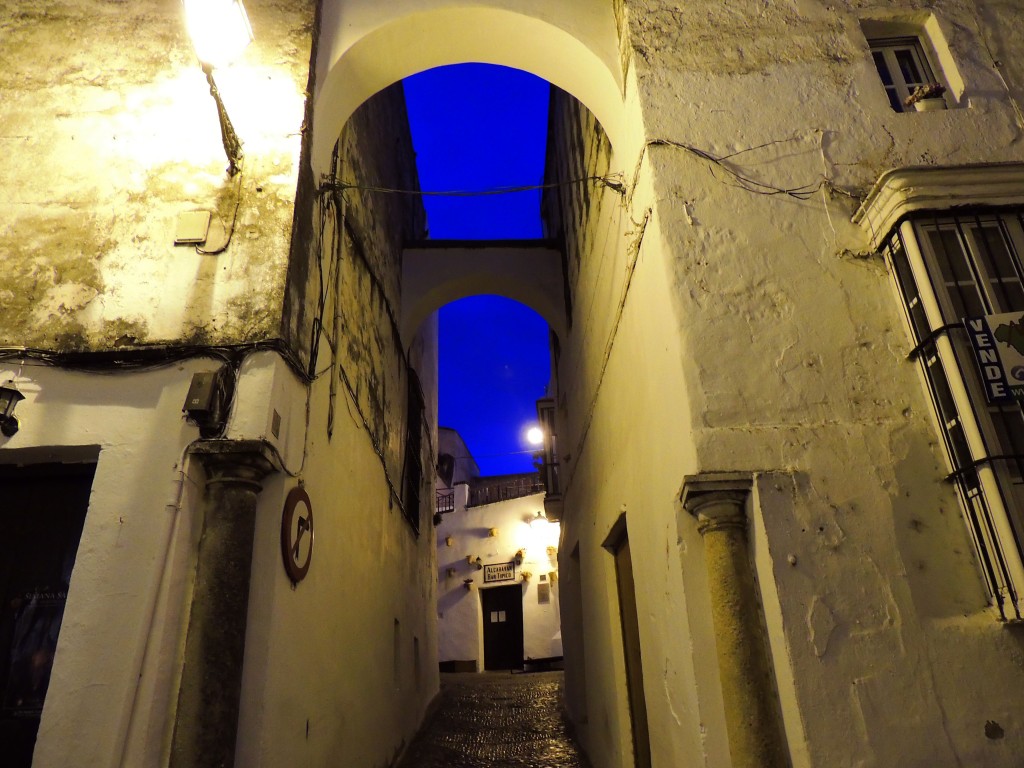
460	633
355	259
623	445
791	358
365	621
109	133
339	670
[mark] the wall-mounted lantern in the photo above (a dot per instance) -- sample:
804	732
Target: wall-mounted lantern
539	521
220	31
468	584
519	557
9	399
492	532
475	562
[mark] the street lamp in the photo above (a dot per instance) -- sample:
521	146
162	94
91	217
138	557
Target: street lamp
9	399
220	31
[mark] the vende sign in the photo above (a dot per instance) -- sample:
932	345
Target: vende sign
998	343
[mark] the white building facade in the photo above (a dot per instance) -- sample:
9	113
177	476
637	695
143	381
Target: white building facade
497	578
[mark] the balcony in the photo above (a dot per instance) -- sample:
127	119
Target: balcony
488	490
444	502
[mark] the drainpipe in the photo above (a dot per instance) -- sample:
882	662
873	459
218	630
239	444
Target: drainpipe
718	502
206	721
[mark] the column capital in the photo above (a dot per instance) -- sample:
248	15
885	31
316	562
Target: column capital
717	499
244	462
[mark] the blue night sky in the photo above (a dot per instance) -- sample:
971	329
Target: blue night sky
478	127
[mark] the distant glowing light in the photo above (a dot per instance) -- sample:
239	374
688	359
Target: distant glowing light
535	436
219	29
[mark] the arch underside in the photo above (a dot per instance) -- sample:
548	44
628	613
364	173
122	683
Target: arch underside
419	41
528	273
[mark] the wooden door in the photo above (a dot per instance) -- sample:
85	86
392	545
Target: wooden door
631	652
41	521
503	627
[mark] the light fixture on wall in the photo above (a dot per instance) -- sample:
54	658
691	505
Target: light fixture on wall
220	31
539	521
10	396
518	558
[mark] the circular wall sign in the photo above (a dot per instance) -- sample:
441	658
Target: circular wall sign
297	534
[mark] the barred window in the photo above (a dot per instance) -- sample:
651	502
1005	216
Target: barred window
949	268
412	468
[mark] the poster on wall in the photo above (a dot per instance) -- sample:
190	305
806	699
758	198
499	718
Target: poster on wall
998	344
33	645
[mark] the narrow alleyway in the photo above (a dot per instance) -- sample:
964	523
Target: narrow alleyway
497	720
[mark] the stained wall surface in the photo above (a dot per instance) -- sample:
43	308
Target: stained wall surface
108	143
111	134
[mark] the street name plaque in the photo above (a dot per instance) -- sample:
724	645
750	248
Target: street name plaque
500	572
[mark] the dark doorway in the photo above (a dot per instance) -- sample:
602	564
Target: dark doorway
503	627
618	544
40	526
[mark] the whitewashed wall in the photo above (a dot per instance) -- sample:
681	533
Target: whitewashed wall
757	334
459	618
114	686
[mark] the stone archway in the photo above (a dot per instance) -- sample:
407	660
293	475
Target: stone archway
366	45
435	274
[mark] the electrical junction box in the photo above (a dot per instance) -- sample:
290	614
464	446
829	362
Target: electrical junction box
201	400
193	228
206	403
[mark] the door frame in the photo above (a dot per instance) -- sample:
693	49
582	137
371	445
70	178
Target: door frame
484	620
617	544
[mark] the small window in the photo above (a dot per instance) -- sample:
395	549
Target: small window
914	62
903	69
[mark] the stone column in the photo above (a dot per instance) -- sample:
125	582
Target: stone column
748	690
206	721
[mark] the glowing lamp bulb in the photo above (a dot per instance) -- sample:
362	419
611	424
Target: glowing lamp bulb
535	436
219	29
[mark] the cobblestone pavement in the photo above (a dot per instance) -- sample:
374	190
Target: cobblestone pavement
497	720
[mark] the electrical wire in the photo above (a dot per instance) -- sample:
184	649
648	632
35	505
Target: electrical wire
148	357
230	231
748	183
614	181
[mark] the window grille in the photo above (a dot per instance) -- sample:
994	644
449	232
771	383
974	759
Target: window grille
412	468
949	268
